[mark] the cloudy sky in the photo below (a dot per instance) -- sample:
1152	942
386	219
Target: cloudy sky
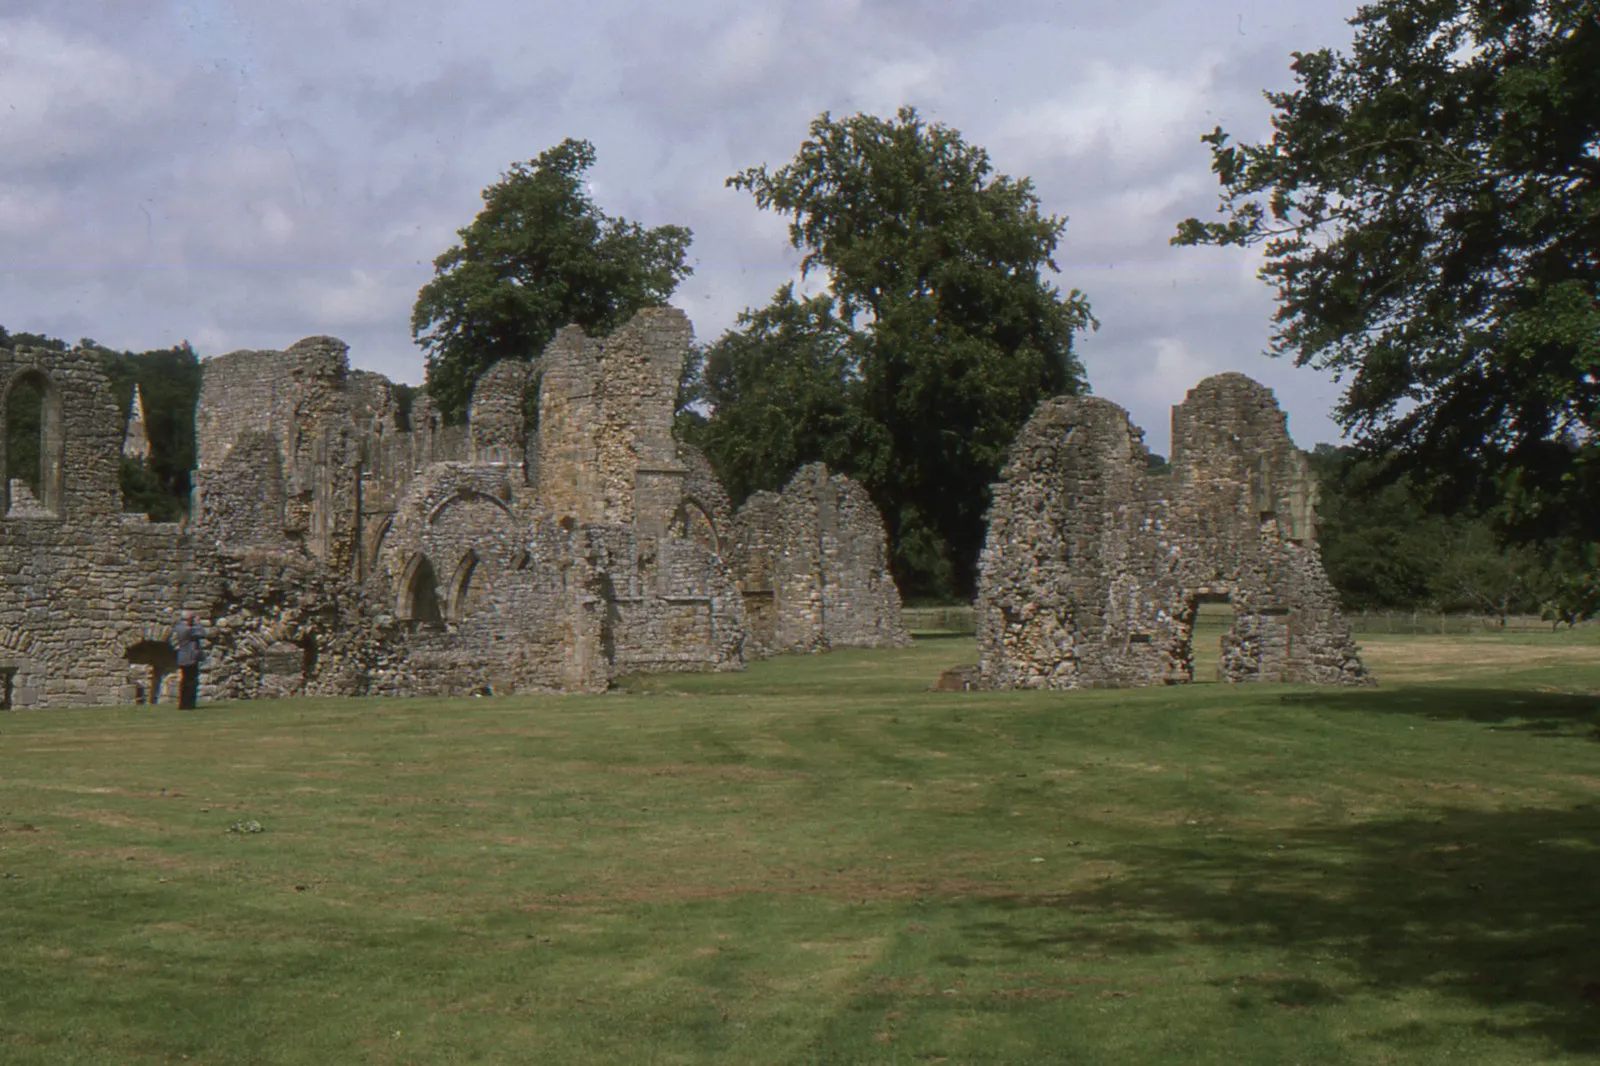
245	174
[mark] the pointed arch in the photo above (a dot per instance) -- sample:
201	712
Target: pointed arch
375	542
460	586
464	496
692	521
418	599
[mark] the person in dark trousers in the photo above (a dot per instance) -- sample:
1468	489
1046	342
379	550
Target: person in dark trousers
186	637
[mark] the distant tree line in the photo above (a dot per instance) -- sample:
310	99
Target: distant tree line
1386	547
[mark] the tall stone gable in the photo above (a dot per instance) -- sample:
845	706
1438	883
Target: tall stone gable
1094	567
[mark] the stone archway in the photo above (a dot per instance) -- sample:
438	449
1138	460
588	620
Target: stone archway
419	594
456	598
150	663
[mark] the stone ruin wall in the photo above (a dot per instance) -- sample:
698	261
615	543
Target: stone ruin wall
815	566
299	401
1093	568
89	592
335	549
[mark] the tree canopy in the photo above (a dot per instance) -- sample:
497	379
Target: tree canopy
780	387
939	335
540	255
1429	209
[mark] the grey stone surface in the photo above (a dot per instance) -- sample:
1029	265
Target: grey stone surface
337	549
814	569
1093	567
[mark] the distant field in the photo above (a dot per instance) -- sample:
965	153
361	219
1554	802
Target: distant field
958	620
820	861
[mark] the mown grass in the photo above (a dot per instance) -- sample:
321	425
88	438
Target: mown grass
819	861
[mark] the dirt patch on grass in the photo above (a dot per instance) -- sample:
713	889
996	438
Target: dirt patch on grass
856	887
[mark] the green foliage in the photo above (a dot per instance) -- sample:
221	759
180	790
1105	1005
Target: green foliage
1572	595
24	426
169	384
404	396
1384	548
540	255
1429	209
30	340
941	337
781	387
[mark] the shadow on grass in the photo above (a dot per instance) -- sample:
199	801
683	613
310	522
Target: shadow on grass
1555	713
1491	908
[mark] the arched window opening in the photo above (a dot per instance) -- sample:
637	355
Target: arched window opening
33	444
461	587
693	523
419	594
378	535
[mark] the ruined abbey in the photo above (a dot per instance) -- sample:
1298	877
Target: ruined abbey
1095	565
336	546
562	537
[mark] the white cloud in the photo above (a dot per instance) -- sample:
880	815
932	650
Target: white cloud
25	211
1106	110
245	175
746	47
276	225
61	97
887	86
358	298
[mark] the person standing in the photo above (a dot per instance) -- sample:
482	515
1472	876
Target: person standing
186	636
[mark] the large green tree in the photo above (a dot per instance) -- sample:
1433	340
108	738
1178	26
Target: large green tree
780	387
937	271
1428	205
540	255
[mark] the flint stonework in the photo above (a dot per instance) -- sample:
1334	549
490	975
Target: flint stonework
337	547
1094	567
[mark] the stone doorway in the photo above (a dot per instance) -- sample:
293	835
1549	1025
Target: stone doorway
1208	622
150	663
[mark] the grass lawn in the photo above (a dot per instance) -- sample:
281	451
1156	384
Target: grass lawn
819	861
